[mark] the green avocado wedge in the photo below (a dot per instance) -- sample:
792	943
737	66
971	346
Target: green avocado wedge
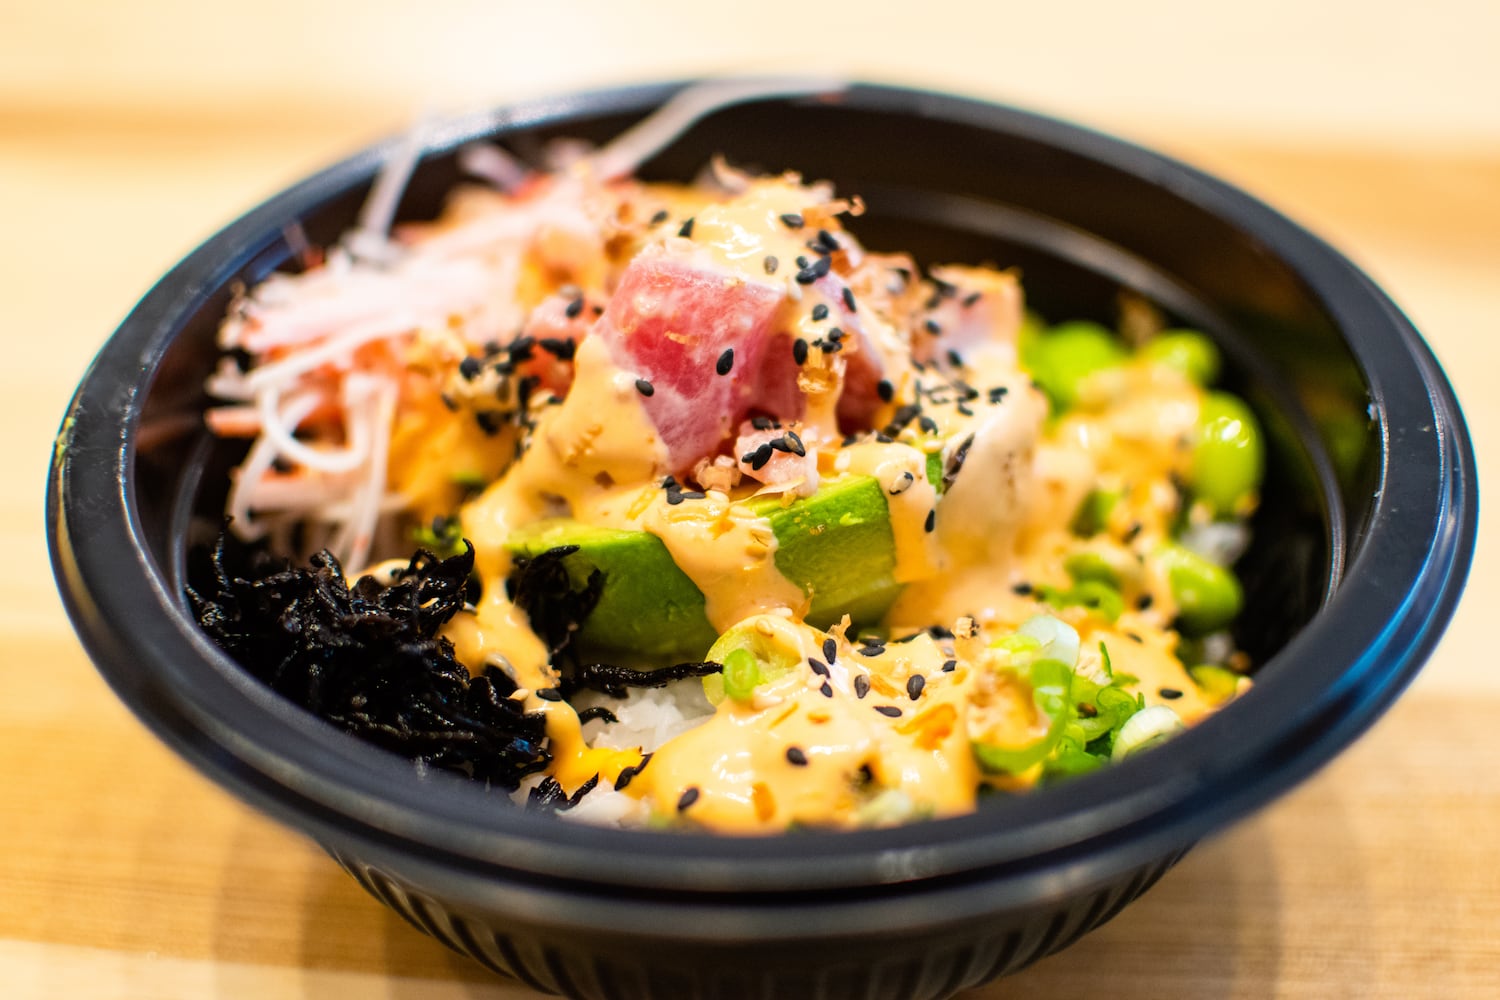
836	545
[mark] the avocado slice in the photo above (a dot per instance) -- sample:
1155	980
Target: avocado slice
836	545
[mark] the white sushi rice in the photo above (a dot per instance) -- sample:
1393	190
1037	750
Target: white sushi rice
648	717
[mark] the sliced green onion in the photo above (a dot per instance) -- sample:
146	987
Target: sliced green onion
741	674
1145	729
1059	639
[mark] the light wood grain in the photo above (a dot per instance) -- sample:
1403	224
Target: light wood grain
124	874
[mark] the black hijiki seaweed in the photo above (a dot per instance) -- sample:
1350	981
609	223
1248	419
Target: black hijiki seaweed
368	658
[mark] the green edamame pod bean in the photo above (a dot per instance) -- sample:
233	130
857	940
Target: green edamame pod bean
1069	353
1228	455
1208	596
1188	351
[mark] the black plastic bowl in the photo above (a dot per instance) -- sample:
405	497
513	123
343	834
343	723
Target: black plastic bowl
1362	549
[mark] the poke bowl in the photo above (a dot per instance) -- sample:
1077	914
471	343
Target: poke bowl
1359	547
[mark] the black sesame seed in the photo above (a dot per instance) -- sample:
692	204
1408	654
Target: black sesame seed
835	334
794	443
771	264
827	243
889	711
931	521
902	484
885	390
932	327
998	393
972	298
1023	588
561	348
830	649
779	444
792	220
1134	638
468	367
670	483
818	666
949	666
762	423
964	409
799	351
688	798
449	402
826	690
802	262
914	685
725	362
549	694
759	457
820	312
1132	532
1143	602
813	271
861	685
849	300
686	232
1170	694
660	217
694	495
955	359
490	421
928	425
794	755
674	498
574	308
644	387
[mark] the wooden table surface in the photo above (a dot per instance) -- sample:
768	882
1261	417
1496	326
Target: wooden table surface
124	874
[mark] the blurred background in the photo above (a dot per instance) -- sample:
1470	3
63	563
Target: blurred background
130	131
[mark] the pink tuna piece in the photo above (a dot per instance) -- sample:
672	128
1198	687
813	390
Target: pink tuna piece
673	322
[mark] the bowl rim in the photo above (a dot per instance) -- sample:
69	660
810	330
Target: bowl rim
1373	634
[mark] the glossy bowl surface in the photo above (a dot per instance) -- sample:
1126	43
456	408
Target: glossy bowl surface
1362	548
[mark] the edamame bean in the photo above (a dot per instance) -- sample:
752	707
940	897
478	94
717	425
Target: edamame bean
1188	351
1228	456
1069	353
1208	596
